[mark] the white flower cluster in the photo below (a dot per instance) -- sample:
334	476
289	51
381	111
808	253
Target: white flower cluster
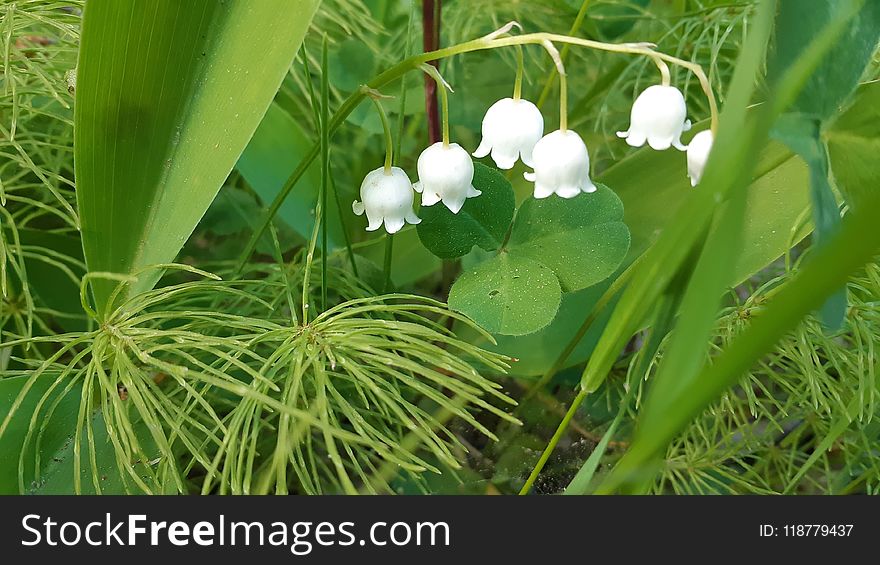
659	116
514	129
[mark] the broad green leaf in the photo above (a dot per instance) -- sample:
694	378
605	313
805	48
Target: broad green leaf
536	352
13	440
653	187
802	134
507	294
854	144
168	95
55	444
482	221
826	90
272	154
50	284
410	262
351	65
583	239
837	76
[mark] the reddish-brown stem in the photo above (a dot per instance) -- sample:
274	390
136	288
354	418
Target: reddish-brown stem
431	32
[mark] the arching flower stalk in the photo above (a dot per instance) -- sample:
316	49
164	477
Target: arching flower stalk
495	40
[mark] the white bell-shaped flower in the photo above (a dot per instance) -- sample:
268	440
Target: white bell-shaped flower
698	153
387	196
511	128
659	116
446	174
562	166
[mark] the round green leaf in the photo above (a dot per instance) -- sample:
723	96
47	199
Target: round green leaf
507	295
482	221
582	239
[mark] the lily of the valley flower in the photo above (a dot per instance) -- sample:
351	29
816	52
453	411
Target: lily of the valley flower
562	166
446	173
387	196
659	117
511	128
698	153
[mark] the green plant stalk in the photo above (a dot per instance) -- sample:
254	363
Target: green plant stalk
576	25
491	41
520	70
386	270
325	167
442	87
658	331
401	115
563	83
280	260
317	116
386	130
551	445
581	482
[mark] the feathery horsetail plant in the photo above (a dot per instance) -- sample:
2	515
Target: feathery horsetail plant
203	394
36	186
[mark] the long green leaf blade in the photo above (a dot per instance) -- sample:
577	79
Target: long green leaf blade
168	95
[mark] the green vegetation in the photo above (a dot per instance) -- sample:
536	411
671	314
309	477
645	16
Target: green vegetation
192	304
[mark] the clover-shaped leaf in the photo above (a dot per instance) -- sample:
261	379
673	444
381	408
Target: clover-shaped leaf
482	221
556	245
583	240
508	294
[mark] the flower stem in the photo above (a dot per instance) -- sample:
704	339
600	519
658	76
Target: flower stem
389	253
444	112
560	430
665	77
442	86
520	65
401	116
576	25
307	79
563	86
325	167
386	128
